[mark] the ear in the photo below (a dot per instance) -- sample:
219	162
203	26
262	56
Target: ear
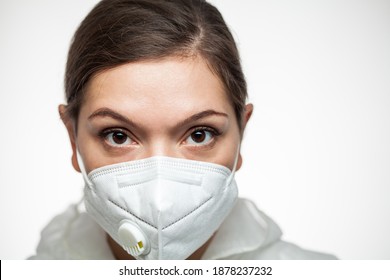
70	127
239	162
247	115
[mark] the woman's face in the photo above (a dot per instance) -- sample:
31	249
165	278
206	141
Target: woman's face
173	107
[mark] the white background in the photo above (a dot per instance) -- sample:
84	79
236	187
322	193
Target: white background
316	153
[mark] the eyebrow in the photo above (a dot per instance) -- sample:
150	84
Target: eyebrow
107	112
201	115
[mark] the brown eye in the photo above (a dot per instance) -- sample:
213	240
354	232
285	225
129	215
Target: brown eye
200	137
118	138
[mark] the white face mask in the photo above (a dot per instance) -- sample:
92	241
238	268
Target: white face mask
160	207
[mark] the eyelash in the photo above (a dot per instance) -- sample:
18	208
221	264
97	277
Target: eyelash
105	132
215	133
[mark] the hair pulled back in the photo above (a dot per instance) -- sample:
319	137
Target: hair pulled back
116	32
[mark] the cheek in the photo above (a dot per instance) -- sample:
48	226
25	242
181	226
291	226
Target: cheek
229	159
90	151
228	151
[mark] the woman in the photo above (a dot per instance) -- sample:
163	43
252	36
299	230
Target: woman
156	110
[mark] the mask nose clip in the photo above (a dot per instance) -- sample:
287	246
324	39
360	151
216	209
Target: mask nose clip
132	239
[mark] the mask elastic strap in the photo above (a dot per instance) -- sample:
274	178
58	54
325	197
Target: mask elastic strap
231	176
82	168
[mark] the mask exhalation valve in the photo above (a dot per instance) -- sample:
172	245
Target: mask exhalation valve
132	239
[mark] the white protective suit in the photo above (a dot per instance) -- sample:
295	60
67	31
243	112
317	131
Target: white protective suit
246	234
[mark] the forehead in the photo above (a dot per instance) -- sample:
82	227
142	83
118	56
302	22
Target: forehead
173	85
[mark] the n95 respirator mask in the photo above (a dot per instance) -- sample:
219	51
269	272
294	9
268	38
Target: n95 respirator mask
160	207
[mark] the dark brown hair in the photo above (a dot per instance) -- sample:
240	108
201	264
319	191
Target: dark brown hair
116	32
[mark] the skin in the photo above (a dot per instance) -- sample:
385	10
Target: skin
172	107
